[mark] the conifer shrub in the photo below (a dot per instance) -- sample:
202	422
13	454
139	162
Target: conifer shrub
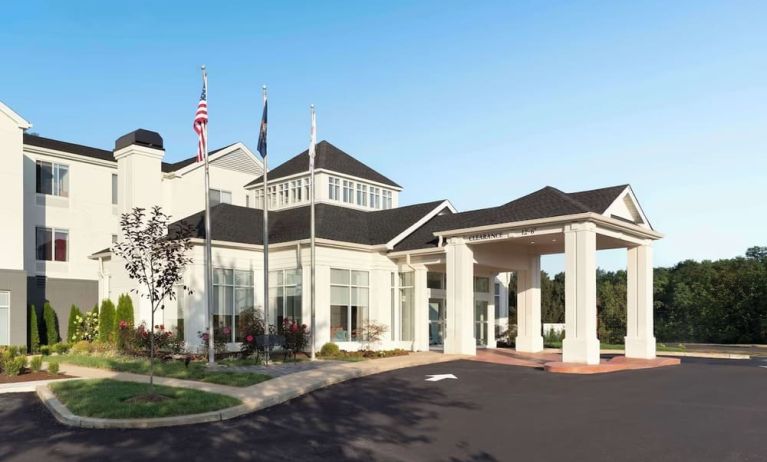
107	322
34	330
51	322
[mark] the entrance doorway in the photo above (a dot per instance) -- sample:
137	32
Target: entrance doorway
436	322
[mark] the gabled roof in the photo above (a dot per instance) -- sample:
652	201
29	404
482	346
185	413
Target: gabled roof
14	117
102	154
329	158
231	223
545	203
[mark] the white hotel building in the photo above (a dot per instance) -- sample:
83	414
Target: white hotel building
435	276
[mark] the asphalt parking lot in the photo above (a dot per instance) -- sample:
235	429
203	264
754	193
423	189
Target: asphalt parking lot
703	410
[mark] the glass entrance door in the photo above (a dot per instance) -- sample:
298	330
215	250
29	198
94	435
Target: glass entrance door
480	321
436	322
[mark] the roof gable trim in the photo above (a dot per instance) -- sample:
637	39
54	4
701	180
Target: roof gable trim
412	228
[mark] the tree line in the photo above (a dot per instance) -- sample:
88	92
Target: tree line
722	301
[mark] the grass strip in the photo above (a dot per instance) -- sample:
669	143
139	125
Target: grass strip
111	399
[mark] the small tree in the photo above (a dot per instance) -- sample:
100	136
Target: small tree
107	321
51	324
372	332
75	318
34	330
155	257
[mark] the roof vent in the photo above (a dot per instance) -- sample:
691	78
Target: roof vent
140	137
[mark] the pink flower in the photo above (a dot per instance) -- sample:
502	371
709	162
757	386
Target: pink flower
249	338
227	330
294	328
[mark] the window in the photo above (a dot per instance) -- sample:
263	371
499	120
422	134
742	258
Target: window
435	280
306	189
114	238
334	189
393	305
348	192
51	244
272	196
481	285
497	300
375	197
220	197
349	295
284	296
114	189
52	179
284	193
296	191
407	302
387	199
362	195
5	318
259	202
232	293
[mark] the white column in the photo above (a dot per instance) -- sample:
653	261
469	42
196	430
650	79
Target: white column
640	341
529	338
459	334
420	310
491	314
580	344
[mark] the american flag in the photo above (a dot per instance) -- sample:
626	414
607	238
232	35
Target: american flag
201	123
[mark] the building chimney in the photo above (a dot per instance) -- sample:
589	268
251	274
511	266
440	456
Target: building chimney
139	170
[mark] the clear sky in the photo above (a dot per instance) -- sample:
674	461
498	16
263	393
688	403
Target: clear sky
476	102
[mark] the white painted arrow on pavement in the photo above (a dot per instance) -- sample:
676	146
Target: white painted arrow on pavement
438	377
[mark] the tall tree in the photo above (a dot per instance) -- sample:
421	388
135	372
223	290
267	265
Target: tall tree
155	257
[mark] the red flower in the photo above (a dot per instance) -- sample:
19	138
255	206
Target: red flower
249	338
293	328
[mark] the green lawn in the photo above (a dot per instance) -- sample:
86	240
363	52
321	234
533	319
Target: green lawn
174	369
109	399
620	346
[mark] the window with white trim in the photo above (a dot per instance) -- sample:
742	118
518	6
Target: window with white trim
349	300
348	191
51	244
218	196
114	189
362	195
5	318
407	305
52	179
375	197
285	296
272	196
232	293
387	202
334	188
259	199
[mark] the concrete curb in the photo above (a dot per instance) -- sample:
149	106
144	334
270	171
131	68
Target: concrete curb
689	354
254	398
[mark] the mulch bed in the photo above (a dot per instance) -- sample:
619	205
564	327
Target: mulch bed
28	376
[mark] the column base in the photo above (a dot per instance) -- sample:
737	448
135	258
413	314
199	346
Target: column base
582	351
467	347
640	347
531	344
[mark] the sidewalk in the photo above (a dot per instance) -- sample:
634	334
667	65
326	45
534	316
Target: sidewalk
254	398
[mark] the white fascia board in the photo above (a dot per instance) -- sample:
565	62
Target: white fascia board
416	252
224	152
14	116
36	150
588	216
260	247
399	237
629	191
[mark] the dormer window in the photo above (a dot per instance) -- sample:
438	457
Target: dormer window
334	189
348	192
362	195
220	197
387	202
375	197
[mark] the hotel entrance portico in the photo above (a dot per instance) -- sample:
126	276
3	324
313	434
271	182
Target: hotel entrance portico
467	253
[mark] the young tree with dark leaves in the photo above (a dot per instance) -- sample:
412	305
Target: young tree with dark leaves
155	252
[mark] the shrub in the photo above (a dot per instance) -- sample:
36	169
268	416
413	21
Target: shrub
221	336
137	341
53	368
88	329
553	336
74	321
11	362
82	346
296	335
34	329
372	332
51	323
36	363
329	349
124	311
250	325
107	321
60	348
45	350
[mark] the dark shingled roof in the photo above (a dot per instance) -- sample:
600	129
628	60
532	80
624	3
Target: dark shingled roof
231	223
544	203
330	158
101	154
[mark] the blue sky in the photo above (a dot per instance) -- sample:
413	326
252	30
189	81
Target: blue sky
476	102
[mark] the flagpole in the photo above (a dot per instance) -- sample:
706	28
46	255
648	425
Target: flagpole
312	154
266	245
208	249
